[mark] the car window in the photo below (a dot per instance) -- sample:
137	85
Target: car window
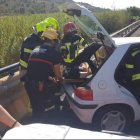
122	74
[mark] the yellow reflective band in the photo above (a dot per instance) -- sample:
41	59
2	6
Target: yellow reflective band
23	63
136	77
129	66
68	44
63	47
76	53
136	52
68	60
68	48
27	50
82	40
99	56
76	42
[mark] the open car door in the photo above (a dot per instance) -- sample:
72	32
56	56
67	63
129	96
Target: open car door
90	28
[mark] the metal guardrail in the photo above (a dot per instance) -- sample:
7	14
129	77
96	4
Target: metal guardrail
128	30
10	70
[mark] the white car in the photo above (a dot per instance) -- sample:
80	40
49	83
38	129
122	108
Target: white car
104	100
48	131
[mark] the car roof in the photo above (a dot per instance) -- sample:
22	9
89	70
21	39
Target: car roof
126	40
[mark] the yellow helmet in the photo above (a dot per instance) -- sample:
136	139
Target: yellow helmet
39	27
43	25
50	33
51	22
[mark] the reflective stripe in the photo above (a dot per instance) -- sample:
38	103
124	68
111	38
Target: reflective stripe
135	53
82	40
136	77
63	47
76	42
68	44
67	47
27	50
99	56
23	63
68	55
76	52
129	66
68	60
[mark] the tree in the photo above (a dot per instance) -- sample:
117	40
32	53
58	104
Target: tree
134	13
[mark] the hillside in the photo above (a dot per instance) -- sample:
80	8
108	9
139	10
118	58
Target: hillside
93	8
12	7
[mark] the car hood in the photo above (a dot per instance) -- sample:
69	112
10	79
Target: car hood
48	131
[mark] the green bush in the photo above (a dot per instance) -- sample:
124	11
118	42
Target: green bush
113	20
13	29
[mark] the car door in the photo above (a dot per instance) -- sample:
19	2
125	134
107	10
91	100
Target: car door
124	71
92	31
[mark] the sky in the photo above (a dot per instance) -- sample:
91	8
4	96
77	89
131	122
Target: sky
112	4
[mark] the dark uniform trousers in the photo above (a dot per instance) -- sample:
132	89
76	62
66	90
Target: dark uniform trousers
41	99
135	89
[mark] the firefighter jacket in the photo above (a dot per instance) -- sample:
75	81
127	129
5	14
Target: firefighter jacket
70	46
27	47
133	65
42	61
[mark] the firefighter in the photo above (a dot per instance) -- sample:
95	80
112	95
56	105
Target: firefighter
44	73
132	71
32	41
71	44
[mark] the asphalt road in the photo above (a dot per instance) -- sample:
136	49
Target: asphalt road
136	33
67	117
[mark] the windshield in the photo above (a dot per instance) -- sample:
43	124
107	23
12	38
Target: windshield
87	27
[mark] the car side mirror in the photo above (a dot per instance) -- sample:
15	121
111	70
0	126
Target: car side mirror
100	35
73	12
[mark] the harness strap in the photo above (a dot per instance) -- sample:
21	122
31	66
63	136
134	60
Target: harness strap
41	60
